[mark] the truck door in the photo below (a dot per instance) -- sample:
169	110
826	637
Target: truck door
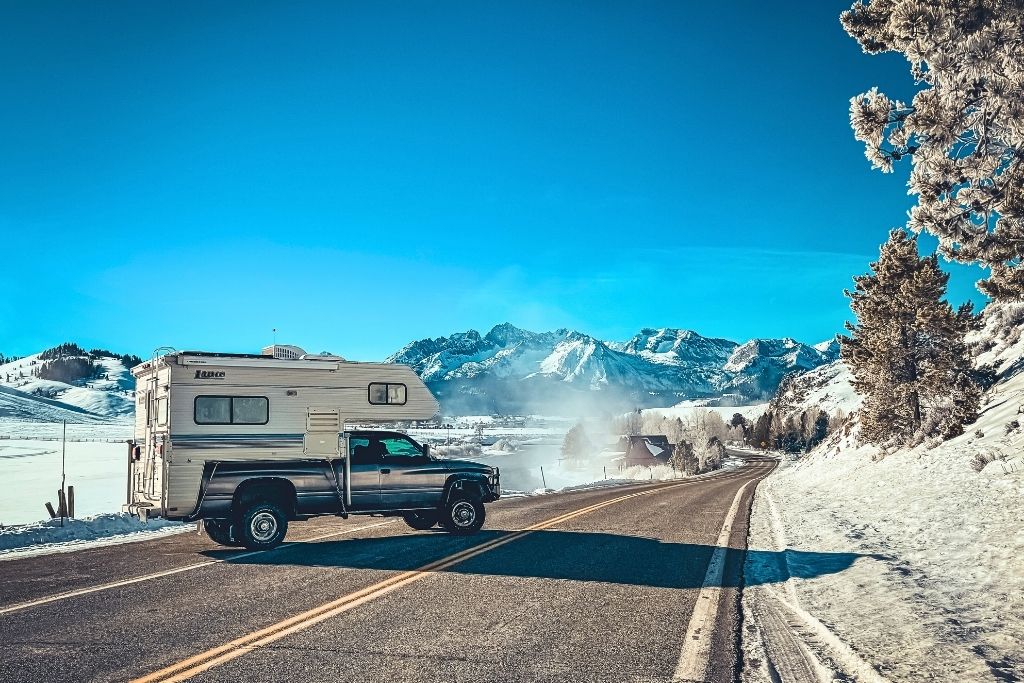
323	439
408	478
365	469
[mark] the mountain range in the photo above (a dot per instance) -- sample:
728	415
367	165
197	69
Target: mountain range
507	371
511	370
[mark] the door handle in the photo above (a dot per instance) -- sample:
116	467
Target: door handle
385	470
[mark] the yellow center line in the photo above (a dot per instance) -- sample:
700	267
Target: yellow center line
187	668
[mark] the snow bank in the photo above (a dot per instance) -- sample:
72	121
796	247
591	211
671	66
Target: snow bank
108	529
936	536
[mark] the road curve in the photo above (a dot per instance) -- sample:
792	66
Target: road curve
616	584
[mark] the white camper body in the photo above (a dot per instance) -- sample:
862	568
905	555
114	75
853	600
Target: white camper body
195	407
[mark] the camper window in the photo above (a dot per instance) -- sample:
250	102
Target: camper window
226	410
161	411
249	411
387	394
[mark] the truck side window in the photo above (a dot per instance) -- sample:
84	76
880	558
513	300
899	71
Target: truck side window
402	451
382	393
398	446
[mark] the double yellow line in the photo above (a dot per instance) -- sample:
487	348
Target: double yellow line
187	668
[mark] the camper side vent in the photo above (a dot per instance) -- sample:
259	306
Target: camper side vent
323	421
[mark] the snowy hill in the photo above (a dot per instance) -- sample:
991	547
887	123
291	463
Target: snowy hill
937	528
515	370
67	383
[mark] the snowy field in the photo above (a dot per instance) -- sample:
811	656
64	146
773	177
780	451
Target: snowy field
30	472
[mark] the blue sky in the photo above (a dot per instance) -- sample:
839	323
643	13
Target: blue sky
359	175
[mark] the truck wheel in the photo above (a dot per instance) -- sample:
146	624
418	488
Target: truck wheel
421	521
463	516
219	532
262	526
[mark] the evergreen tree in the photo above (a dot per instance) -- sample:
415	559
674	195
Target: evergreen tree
683	458
907	348
760	434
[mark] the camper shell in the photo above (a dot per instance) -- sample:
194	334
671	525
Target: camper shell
215	432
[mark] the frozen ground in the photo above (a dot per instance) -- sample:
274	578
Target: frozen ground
923	572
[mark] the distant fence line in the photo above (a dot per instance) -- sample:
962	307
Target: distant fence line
76	439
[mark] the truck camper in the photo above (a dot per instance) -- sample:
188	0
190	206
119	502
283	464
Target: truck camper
248	443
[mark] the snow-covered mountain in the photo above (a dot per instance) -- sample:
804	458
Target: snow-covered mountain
514	370
758	366
67	383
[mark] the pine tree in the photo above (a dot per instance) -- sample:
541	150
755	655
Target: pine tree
760	434
683	458
907	348
963	131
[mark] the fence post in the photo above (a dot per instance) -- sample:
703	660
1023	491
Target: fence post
543	480
71	502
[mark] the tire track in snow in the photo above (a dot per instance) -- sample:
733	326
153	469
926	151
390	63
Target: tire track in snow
795	641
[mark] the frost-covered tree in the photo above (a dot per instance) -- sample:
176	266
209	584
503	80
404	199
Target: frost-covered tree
964	129
633	423
907	350
576	444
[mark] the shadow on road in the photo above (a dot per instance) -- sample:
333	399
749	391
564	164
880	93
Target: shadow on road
566	555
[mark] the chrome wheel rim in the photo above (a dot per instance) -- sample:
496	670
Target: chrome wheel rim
263	526
463	514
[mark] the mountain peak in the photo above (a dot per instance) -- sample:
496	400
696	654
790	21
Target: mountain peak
505	334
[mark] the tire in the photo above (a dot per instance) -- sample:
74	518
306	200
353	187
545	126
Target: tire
219	531
463	516
262	526
421	521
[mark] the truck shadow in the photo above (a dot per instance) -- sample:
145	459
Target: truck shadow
562	555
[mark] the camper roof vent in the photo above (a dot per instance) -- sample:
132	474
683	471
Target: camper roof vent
283	351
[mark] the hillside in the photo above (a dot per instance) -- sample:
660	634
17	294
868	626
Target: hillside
67	383
937	528
511	370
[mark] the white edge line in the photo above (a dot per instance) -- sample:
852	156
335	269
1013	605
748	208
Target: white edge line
176	570
696	649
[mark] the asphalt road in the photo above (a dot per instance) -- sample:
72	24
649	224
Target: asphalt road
616	584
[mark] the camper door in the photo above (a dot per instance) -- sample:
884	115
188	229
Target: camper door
148	470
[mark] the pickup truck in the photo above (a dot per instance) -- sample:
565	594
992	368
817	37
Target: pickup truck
250	503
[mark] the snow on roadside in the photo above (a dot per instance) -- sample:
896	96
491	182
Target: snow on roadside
931	539
43	538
